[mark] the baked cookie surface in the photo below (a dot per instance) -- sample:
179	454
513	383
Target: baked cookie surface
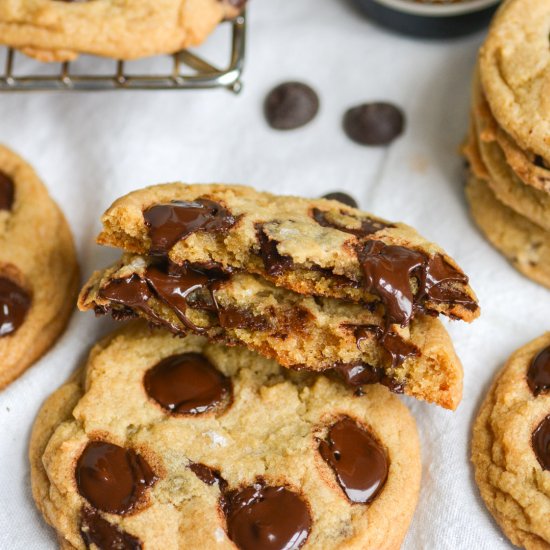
511	446
216	447
311	246
524	243
38	268
52	30
515	73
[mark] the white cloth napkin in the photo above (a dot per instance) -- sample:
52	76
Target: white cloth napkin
91	148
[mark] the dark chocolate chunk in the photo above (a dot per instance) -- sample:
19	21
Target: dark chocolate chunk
172	222
357	459
111	478
290	105
274	263
270	518
14	306
538	374
397	348
387	271
344	198
541	443
7	191
187	384
208	475
374	123
104	535
361	374
368	225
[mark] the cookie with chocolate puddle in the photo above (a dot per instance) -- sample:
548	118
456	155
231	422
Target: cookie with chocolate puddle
114	463
311	246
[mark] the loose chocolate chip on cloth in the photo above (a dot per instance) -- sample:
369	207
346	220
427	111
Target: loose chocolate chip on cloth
291	105
38	268
374	123
511	447
108	463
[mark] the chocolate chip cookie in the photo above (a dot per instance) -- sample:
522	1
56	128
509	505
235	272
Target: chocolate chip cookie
38	268
161	442
59	30
511	446
314	247
299	332
515	73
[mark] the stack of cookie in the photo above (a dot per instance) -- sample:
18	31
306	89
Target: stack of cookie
266	423
508	146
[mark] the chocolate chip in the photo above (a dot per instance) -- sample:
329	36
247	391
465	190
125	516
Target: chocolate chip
290	105
541	443
374	123
111	478
171	222
368	226
7	191
14	306
357	459
106	536
187	384
538	374
398	349
262	516
344	198
387	271
208	475
274	263
361	374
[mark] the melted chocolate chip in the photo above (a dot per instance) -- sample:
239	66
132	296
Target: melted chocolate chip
172	222
541	443
291	105
104	535
176	288
344	198
7	191
357	459
368	225
538	374
14	306
111	478
361	374
274	263
270	518
374	123
187	384
208	475
387	271
398	348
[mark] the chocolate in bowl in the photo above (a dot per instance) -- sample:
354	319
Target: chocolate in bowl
430	18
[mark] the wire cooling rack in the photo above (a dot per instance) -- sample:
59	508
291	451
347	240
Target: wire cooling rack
189	71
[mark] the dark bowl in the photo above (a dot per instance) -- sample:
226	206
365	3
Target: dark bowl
430	19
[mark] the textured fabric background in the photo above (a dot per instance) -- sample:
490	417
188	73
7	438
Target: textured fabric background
91	148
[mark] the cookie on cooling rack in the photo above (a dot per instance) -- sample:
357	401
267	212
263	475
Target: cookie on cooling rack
60	31
164	441
38	268
511	446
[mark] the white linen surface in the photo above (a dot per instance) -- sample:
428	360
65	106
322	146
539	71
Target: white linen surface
91	148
